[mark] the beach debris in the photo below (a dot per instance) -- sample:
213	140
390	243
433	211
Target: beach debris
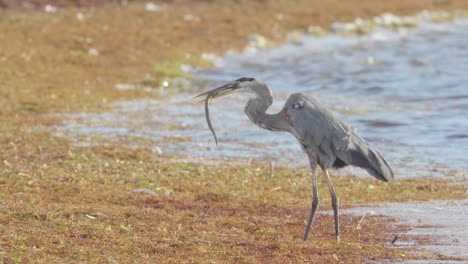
186	67
295	36
394	240
358	27
145	191
317	31
359	225
256	41
92	217
270	175
212	58
80	16
391	21
388	21
124	86
338	27
190	18
437	16
50	9
152	7
93	52
335	257
157	150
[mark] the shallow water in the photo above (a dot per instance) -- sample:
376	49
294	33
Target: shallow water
443	222
406	93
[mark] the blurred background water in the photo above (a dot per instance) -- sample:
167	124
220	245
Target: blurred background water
405	92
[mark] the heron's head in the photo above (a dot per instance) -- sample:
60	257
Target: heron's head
244	84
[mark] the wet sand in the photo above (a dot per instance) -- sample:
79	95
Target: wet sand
443	223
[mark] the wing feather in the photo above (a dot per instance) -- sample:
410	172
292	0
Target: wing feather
331	139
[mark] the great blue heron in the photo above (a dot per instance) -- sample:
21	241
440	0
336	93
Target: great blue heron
327	141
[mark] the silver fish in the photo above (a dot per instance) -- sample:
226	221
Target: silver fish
207	115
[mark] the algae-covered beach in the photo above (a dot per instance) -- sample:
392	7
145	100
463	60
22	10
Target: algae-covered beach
105	157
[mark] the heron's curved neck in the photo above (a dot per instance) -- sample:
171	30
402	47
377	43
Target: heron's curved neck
256	110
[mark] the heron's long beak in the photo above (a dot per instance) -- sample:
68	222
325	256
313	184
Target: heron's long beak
212	94
219	92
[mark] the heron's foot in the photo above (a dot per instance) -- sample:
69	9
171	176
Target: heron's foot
338	239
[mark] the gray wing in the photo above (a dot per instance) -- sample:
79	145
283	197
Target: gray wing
335	143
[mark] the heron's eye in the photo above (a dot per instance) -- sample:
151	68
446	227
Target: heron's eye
298	105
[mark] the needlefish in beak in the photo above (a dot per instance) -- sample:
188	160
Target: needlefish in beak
207	116
212	94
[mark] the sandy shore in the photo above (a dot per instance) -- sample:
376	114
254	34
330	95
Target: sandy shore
61	202
68	64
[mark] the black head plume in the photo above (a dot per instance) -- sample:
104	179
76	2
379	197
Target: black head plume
245	79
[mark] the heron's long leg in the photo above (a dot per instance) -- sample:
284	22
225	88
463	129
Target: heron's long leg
313	166
334	205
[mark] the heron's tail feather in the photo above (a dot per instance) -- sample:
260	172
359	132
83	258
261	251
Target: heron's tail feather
362	155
